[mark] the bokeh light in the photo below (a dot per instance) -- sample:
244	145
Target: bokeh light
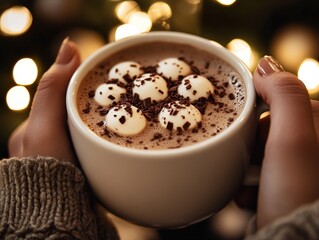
15	20
226	2
309	73
142	20
25	71
292	45
264	114
125	30
231	222
243	50
159	11
138	22
124	9
18	98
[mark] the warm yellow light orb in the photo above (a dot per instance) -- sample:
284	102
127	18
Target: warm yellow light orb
126	30
18	98
159	11
240	48
226	2
124	9
243	50
15	21
142	20
138	22
25	71
309	73
292	45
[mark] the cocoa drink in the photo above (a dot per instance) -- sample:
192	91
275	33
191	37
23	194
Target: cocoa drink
160	95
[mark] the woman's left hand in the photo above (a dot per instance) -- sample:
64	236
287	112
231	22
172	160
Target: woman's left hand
45	132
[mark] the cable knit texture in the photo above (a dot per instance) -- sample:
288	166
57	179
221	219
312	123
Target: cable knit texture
302	224
44	198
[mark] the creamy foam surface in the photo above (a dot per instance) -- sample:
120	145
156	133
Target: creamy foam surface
218	111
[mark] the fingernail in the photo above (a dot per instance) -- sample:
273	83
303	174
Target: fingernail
268	65
66	52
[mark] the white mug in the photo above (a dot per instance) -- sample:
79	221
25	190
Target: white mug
165	188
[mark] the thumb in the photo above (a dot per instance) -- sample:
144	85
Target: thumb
290	171
46	131
288	99
50	96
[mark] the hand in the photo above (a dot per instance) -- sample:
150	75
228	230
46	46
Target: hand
290	168
45	132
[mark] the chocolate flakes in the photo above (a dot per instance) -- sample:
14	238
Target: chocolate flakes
91	94
170	126
111	97
122	119
151	109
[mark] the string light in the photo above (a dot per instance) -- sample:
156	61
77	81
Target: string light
230	223
124	9
243	50
138	22
126	30
18	98
141	20
159	11
226	2
309	73
15	21
25	71
292	45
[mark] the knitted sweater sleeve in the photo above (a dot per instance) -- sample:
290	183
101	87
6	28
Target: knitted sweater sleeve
301	224
44	198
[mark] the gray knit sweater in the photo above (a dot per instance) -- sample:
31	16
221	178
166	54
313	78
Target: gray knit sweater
302	224
44	198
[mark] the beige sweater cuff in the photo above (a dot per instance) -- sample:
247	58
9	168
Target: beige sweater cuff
45	198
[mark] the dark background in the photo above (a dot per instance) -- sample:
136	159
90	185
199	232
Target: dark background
258	22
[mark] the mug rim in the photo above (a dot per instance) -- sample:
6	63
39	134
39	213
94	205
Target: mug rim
178	37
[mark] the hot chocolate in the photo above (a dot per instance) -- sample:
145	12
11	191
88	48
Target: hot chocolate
160	95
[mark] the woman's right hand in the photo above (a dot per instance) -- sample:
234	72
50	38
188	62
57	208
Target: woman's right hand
290	166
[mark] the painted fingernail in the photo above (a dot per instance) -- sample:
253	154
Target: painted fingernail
66	52
268	65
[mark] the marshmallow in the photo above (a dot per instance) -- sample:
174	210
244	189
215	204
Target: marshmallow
176	115
125	120
108	93
195	87
150	86
172	68
124	70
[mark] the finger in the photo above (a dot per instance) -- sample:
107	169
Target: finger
290	172
288	99
290	107
315	110
52	87
47	121
246	198
262	135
